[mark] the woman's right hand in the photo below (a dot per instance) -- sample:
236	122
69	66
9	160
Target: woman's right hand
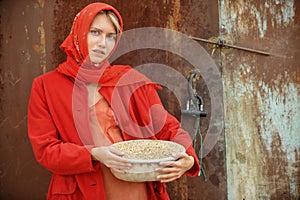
111	157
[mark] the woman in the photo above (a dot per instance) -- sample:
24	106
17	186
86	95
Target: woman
76	111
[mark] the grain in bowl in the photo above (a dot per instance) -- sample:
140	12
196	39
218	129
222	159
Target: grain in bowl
145	156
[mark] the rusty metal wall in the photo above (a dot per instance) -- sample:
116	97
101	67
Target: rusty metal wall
24	54
31	32
261	95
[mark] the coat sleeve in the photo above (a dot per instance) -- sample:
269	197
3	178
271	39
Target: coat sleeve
171	129
57	156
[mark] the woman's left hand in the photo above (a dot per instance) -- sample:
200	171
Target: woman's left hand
175	169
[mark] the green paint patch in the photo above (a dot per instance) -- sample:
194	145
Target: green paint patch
240	157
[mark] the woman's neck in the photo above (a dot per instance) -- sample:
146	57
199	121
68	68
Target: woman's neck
93	95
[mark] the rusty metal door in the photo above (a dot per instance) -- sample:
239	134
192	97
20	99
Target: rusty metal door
31	32
260	158
22	57
261	92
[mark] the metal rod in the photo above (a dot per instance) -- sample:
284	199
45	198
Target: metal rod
221	43
204	40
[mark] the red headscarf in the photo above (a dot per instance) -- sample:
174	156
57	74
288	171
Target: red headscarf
79	68
78	65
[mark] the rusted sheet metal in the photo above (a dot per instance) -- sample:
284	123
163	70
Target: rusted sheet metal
198	18
23	50
31	32
262	99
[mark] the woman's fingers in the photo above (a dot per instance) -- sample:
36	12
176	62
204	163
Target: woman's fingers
111	157
168	178
118	163
116	151
118	170
169	174
173	170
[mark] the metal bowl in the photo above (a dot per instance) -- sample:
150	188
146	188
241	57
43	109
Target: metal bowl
145	156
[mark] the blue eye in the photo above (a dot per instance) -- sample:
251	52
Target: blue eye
95	32
112	37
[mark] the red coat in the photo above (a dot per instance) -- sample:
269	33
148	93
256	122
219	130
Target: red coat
58	147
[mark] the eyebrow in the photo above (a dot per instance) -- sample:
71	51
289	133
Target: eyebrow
93	27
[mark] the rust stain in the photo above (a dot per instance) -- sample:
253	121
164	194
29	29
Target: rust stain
278	102
243	145
8	77
26	31
12	123
263	105
174	17
279	105
41	3
41	48
278	14
269	132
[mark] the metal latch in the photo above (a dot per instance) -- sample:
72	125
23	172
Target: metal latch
221	43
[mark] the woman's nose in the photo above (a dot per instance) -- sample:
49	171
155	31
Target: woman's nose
101	40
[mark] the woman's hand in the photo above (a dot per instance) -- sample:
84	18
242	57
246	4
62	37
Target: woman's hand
175	169
111	157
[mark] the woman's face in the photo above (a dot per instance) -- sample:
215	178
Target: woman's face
101	38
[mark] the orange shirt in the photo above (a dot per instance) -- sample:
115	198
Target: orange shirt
115	189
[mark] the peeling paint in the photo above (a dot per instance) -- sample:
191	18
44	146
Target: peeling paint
261	22
41	3
243	147
27	56
280	13
26	31
174	16
281	116
280	107
277	103
12	123
7	77
277	106
41	48
262	102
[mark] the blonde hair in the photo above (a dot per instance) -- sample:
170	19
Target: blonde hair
113	18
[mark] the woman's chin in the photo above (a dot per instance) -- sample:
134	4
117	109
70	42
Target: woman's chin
97	58
97	62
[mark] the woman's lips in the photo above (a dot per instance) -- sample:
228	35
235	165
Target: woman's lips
99	52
